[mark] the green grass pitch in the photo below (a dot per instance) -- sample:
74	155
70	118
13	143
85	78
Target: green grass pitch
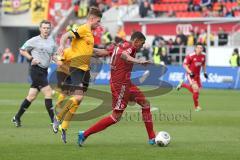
213	133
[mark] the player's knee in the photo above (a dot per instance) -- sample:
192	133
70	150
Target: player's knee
47	91
31	97
195	87
146	104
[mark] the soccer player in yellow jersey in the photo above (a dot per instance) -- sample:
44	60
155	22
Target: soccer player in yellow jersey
63	76
81	52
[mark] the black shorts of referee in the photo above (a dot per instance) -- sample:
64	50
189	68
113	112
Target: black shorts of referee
80	79
39	77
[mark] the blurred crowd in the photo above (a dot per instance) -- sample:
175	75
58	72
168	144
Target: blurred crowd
204	8
172	50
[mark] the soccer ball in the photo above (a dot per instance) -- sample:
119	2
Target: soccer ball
162	139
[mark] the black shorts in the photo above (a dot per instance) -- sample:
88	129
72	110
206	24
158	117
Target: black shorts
63	81
63	78
80	79
39	77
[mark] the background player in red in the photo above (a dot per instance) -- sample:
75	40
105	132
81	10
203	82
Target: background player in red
193	64
122	60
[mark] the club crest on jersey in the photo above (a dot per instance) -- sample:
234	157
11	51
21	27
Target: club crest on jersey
198	64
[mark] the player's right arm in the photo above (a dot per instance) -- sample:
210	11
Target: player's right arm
63	41
125	56
100	52
186	66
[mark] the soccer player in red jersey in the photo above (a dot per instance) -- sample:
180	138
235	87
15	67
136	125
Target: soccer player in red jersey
123	90
193	64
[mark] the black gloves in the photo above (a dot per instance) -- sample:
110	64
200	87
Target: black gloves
206	75
191	74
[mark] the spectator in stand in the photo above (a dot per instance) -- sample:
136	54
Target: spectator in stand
101	4
190	39
178	49
170	45
156	53
194	5
212	39
76	6
190	42
156	40
144	7
164	57
202	39
206	12
196	35
106	37
93	3
183	37
171	13
227	13
222	37
121	33
146	51
220	8
8	56
235	59
177	44
97	34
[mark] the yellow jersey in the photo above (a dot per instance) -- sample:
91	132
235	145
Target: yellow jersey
82	47
66	59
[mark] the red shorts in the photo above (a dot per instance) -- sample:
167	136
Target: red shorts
195	79
123	93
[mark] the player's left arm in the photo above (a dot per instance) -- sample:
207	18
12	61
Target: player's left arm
205	70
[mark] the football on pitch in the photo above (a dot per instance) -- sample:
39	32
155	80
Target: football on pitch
162	139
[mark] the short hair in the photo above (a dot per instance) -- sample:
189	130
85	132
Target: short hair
138	35
44	22
199	44
236	50
95	11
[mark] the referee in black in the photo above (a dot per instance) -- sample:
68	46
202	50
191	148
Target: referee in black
39	51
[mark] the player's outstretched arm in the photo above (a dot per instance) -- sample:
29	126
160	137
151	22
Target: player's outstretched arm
205	70
130	59
100	52
63	41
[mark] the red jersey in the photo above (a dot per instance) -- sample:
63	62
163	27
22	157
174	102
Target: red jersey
120	69
195	62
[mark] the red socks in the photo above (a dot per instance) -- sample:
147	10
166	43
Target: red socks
147	119
110	120
195	94
100	125
195	98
